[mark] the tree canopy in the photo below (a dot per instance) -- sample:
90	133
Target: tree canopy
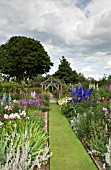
23	57
65	72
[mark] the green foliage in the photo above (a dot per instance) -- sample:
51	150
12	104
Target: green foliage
1	77
23	136
3	146
71	109
13	88
64	70
39	79
46	103
82	80
46	96
37	90
68	75
19	133
23	57
98	139
90	120
6	87
32	114
67	110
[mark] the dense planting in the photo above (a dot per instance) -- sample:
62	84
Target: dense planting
23	141
89	114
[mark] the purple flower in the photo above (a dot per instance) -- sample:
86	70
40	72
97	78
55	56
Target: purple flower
75	100
80	94
70	101
95	101
29	102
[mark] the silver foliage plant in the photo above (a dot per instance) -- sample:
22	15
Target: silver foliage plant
108	154
21	159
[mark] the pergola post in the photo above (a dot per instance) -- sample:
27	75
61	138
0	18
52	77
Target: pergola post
51	81
61	87
52	88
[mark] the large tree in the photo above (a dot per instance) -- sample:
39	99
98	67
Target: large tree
23	57
64	70
74	77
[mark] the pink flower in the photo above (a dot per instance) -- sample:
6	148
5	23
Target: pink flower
6	107
104	109
106	112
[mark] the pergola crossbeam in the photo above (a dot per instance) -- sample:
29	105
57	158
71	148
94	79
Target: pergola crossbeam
51	81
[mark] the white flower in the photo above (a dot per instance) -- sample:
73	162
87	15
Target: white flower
15	101
1	123
14	116
17	115
23	113
19	111
1	103
11	116
72	123
6	116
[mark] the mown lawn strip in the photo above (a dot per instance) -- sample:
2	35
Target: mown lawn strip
68	152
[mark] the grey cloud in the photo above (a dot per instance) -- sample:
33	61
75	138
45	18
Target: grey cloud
60	26
97	35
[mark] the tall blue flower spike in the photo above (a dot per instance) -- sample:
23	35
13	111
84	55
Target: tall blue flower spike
90	92
80	94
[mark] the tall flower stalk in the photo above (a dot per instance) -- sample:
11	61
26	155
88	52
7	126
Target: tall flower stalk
79	94
108	154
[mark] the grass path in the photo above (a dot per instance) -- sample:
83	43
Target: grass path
68	152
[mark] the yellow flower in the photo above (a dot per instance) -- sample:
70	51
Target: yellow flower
64	100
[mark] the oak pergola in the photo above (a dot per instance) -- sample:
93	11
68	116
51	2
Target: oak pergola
52	82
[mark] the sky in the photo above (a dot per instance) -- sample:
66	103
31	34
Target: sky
80	30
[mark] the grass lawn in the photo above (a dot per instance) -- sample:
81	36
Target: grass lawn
68	152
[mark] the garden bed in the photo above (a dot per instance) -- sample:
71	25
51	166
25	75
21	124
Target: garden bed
25	121
45	117
90	120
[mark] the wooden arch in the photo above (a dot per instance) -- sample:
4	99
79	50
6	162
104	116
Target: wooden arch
51	81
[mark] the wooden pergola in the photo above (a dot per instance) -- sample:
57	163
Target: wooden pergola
52	82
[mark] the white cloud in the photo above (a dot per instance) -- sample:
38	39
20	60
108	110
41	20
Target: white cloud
96	6
63	29
88	69
95	31
108	65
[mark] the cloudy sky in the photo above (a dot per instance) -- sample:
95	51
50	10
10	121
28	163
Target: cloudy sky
80	30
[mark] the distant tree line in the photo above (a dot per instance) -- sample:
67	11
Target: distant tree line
22	58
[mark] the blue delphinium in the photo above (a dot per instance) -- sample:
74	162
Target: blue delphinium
80	94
